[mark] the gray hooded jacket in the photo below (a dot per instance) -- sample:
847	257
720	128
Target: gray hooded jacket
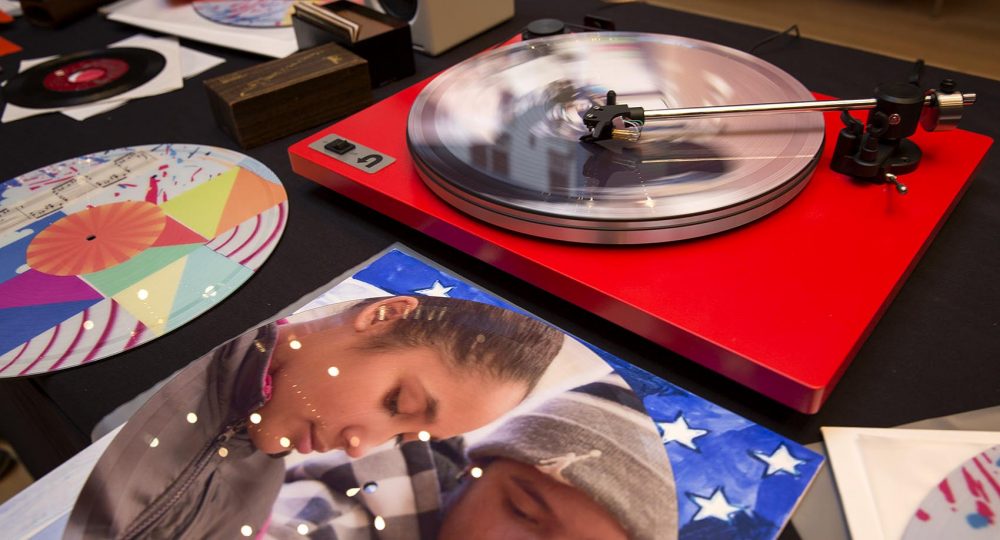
184	466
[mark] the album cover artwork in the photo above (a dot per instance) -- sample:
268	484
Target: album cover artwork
728	477
405	402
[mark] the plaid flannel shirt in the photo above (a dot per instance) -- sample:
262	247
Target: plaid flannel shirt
331	496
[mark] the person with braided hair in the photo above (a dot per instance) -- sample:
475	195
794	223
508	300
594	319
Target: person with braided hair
395	367
202	457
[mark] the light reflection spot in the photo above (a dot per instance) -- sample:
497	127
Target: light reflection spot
379	523
370	487
333	371
192	417
223	452
295	344
142	294
154	443
424	436
302	529
476	472
88	325
255	418
353	491
246	530
284	442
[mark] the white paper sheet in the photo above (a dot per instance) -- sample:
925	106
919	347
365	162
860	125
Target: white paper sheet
182	20
883	474
194	63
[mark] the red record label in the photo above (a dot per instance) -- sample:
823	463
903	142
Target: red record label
85	74
83	77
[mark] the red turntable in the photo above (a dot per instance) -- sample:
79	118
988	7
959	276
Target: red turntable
724	237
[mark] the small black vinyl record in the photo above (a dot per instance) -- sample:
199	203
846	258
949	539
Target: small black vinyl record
83	77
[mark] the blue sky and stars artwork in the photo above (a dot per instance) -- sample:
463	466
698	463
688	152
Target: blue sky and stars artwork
735	479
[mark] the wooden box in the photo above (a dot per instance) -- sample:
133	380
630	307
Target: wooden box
271	100
382	40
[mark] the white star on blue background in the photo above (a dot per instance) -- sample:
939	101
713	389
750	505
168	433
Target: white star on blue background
716	506
781	460
680	432
436	290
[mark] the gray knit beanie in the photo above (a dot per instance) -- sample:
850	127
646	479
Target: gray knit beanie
598	439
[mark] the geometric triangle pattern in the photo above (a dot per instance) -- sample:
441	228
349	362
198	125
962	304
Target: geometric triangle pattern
176	234
115	279
151	299
250	196
200	209
35	288
208	278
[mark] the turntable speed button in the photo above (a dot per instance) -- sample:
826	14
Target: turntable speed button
339	146
352	153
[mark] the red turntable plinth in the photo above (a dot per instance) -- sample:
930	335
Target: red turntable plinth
781	305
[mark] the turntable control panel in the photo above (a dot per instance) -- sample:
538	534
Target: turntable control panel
353	153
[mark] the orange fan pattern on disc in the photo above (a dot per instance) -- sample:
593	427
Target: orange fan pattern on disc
96	238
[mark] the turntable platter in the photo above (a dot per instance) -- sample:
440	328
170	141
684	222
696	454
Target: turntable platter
498	135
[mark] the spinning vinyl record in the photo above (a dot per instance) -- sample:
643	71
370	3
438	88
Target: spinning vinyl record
83	77
498	137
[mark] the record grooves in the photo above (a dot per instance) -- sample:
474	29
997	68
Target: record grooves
83	77
615	232
498	137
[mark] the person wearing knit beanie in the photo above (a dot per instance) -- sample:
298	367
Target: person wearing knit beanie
587	463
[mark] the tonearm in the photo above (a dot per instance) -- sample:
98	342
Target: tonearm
877	150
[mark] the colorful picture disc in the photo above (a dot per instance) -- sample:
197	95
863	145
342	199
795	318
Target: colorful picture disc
965	505
102	253
250	13
83	77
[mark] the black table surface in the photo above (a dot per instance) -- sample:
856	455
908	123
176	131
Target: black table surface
936	350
